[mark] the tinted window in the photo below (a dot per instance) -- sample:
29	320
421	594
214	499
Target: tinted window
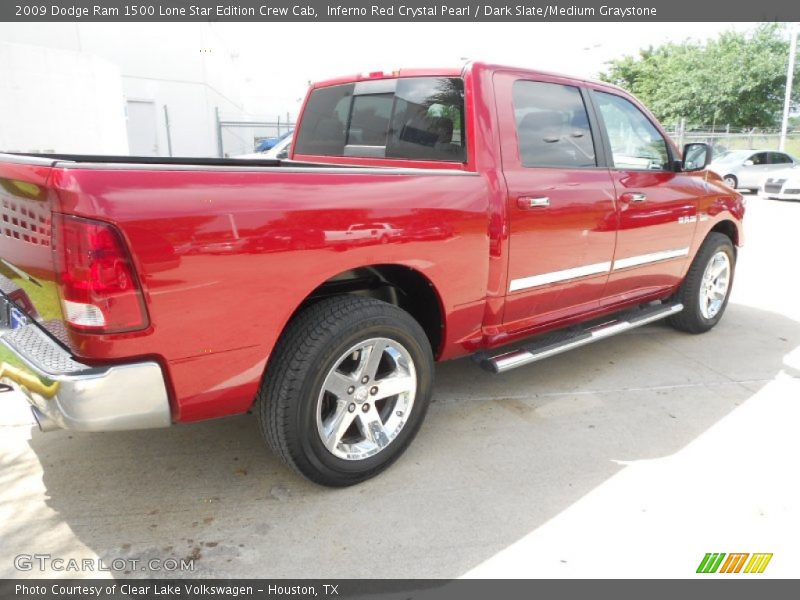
759	159
552	126
369	120
324	121
414	118
428	120
733	157
778	158
635	142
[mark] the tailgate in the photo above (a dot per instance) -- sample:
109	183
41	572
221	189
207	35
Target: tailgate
27	272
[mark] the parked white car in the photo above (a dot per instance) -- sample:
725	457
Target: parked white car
363	232
783	185
747	169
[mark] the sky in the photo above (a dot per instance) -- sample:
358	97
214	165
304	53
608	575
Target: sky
275	61
278	61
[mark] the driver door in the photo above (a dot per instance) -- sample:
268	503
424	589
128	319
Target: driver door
657	205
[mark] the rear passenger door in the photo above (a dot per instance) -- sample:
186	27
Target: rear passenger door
561	206
657	205
779	160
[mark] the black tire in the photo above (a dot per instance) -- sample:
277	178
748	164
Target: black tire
691	318
731	178
313	342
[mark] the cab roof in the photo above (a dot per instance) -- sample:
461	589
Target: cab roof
453	72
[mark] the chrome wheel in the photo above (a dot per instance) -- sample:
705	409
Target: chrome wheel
714	285
366	399
730	181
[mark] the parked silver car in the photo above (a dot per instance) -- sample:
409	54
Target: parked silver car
747	169
783	184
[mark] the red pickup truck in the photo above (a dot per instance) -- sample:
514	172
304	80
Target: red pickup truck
422	216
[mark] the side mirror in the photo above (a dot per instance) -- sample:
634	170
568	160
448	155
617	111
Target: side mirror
696	156
748	163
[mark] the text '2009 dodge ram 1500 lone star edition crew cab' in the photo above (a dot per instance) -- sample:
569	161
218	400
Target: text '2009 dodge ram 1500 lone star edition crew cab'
422	216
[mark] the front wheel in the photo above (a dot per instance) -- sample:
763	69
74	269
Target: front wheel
731	181
705	291
346	389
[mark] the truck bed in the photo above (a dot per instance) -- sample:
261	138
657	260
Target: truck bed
95	161
225	249
157	160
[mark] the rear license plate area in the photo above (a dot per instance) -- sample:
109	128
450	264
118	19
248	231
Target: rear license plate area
16	318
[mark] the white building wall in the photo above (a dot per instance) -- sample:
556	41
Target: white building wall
59	100
185	67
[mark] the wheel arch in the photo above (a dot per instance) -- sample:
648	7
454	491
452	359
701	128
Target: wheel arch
400	285
729	228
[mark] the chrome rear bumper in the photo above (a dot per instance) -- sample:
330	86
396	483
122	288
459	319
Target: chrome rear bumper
65	393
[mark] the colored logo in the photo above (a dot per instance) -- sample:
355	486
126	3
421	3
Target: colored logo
718	563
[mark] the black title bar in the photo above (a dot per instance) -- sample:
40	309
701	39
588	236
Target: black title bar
403	10
387	589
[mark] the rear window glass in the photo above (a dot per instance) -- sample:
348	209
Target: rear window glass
420	118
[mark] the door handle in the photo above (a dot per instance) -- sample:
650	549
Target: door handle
632	197
526	202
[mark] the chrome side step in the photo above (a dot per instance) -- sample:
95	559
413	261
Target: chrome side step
575	338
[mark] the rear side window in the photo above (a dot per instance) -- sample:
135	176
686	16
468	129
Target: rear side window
552	126
778	158
420	118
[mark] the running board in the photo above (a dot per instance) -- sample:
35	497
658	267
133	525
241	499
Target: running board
576	337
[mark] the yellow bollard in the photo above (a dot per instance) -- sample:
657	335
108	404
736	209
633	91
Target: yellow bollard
28	380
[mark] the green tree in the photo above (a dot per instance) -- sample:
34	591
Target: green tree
737	79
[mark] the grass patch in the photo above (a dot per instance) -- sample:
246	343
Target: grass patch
44	298
7	356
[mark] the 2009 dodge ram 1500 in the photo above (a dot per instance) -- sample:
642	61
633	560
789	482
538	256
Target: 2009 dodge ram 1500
423	215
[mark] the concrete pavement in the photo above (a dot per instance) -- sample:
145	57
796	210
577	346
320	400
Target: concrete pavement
630	457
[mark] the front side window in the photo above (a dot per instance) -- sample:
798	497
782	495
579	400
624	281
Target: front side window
552	126
635	142
419	118
762	158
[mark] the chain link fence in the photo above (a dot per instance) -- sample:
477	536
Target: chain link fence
730	138
243	136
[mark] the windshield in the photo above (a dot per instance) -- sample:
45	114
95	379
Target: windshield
420	118
736	155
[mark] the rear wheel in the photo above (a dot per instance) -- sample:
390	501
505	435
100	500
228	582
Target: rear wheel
705	291
346	390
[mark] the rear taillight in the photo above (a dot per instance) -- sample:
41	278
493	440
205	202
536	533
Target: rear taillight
99	289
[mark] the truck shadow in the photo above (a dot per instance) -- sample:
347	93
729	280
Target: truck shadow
497	457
